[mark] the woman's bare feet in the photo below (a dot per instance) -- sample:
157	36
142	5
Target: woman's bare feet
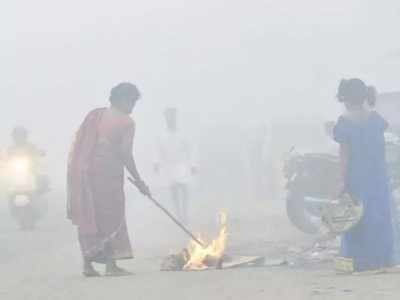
89	270
113	270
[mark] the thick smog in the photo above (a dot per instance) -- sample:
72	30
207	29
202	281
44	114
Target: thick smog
200	149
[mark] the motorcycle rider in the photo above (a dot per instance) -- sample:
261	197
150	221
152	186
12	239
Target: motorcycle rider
21	145
24	160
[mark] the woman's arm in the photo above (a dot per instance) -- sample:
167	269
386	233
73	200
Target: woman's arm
129	160
127	152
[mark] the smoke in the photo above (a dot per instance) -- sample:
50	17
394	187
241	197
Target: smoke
224	64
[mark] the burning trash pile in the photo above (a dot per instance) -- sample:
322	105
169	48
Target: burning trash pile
198	257
202	255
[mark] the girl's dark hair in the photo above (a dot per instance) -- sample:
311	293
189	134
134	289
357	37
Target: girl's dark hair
122	92
355	91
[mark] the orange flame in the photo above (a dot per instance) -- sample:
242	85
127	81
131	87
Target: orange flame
214	251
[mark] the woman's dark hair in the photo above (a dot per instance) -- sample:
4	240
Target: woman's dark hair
122	92
355	91
19	131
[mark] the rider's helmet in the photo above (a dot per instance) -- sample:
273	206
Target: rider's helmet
20	134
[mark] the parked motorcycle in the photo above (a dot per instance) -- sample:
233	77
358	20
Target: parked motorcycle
313	181
309	176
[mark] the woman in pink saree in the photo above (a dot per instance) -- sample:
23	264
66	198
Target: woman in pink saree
96	200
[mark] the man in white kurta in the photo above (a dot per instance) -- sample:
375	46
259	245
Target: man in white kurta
175	164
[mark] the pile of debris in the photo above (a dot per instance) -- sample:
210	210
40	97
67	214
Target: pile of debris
315	255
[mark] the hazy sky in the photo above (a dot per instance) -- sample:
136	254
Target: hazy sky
214	59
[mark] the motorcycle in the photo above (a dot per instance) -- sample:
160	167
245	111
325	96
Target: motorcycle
311	179
26	190
312	182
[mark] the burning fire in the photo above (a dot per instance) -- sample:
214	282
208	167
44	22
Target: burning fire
200	258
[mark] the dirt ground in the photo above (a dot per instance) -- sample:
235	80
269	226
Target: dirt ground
45	264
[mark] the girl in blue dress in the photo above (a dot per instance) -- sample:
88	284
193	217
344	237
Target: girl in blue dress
360	133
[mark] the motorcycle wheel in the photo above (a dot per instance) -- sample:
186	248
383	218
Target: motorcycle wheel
26	223
26	220
24	216
298	215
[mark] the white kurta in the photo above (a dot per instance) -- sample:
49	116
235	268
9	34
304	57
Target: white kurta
176	158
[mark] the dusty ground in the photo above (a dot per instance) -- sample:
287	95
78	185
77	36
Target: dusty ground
45	264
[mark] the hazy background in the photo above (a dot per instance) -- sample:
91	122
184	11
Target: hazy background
222	63
228	66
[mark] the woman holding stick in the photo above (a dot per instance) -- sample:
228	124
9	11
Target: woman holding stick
96	200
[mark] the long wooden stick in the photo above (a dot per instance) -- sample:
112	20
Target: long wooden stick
180	225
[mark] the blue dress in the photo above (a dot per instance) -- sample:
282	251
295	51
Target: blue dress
370	243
